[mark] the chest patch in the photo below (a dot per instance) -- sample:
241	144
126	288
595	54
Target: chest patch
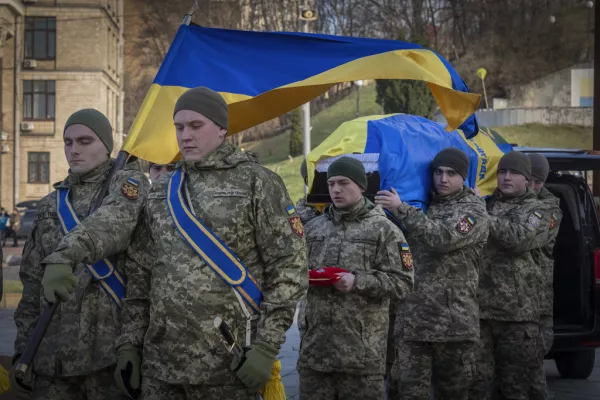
296	225
552	224
535	219
405	255
466	224
130	189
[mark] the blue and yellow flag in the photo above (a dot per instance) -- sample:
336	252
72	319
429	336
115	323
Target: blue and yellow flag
262	75
399	148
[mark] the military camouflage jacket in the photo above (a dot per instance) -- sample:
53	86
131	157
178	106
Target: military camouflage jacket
305	211
171	305
543	255
447	244
509	280
81	337
348	332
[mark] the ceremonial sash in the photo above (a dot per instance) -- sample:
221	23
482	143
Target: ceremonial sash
215	253
103	271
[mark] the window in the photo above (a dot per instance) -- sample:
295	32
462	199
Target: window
38	167
40	38
39	100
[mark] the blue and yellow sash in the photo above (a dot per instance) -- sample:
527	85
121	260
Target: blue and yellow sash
103	271
215	253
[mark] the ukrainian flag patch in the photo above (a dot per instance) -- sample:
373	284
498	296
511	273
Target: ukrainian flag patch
537	214
404	247
133	182
290	210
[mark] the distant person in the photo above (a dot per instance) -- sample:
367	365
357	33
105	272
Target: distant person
3	224
158	170
304	210
14	222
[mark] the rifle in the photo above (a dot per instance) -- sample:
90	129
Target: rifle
35	339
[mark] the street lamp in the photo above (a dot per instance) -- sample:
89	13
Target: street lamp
358	85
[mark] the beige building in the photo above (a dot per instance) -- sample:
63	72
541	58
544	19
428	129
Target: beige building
57	56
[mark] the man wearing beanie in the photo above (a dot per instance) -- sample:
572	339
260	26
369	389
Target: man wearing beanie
441	317
342	352
545	261
219	238
64	259
508	282
305	211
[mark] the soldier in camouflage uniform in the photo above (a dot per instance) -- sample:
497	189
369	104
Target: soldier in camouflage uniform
543	257
342	352
305	211
508	290
171	305
441	316
77	355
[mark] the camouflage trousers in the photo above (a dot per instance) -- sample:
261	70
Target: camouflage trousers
507	354
315	385
154	389
447	367
99	385
538	375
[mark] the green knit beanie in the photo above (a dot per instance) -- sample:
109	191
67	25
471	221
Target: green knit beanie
97	122
350	168
207	102
539	166
454	158
516	161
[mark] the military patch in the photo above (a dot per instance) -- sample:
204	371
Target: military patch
535	219
552	223
407	259
297	226
466	224
290	210
130	189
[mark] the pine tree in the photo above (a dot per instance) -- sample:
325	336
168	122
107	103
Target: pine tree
296	135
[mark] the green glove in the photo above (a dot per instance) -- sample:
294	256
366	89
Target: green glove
58	279
255	371
17	386
127	373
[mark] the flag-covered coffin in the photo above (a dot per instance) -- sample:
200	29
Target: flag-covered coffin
397	150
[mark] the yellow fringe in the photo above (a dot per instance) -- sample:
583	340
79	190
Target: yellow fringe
4	380
274	389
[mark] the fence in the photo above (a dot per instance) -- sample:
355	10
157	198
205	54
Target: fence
581	116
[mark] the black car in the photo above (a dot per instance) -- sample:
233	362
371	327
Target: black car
576	261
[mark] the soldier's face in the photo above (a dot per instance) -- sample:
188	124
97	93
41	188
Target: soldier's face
536	185
447	181
344	192
197	135
158	170
511	183
83	149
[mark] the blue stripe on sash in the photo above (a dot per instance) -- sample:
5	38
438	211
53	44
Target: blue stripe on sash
103	271
215	253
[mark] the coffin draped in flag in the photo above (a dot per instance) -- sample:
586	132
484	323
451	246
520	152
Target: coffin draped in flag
262	75
397	150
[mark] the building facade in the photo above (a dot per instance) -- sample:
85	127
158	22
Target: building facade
57	56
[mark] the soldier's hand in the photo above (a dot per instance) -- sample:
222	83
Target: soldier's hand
127	373
389	200
58	281
346	282
255	372
477	191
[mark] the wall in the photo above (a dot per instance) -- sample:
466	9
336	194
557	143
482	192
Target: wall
547	116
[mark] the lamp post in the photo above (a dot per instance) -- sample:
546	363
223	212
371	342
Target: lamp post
358	85
481	73
589	4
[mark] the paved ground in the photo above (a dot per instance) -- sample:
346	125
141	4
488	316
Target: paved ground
560	389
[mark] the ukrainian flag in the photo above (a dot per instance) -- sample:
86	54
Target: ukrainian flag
262	75
399	148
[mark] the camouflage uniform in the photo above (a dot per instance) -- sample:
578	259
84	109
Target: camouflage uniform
346	333
544	259
441	316
171	305
509	296
306	211
78	349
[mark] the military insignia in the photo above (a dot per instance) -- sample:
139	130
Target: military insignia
290	210
465	225
552	223
403	247
297	226
407	259
535	219
130	189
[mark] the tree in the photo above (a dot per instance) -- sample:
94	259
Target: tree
296	135
404	96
